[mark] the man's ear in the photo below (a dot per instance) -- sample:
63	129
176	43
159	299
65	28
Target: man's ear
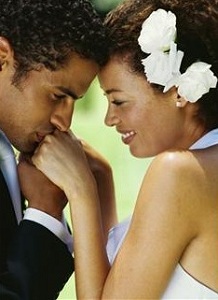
6	52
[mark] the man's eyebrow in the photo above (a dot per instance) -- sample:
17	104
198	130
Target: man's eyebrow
69	92
108	92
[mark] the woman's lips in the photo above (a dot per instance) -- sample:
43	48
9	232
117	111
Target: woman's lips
127	137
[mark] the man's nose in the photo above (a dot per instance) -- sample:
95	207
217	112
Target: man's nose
62	116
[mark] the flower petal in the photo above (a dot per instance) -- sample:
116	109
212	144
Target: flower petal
158	31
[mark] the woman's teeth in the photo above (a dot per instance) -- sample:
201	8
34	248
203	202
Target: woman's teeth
127	134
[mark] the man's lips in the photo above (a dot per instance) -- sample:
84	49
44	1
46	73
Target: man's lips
40	136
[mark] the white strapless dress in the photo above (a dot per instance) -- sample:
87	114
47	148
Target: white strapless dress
181	285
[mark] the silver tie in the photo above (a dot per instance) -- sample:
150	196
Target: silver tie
9	169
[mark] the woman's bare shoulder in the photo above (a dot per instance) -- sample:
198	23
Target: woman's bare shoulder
202	164
184	177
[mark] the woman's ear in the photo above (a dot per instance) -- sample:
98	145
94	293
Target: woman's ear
181	102
6	52
178	101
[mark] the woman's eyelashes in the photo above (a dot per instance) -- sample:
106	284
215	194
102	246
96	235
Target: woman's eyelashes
118	102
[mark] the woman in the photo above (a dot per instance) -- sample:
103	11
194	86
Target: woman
161	85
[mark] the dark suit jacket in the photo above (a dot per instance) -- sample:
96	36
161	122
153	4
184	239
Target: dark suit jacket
34	263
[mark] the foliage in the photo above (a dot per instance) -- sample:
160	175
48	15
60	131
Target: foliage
104	6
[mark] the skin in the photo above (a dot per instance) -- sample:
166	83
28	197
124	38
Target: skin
42	102
131	106
181	200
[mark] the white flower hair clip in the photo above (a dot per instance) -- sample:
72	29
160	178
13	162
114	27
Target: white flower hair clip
162	66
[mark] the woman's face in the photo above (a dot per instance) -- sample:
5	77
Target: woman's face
148	120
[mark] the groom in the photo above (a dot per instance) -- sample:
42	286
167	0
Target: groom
50	51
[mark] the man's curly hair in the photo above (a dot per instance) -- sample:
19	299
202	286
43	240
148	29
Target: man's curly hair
46	32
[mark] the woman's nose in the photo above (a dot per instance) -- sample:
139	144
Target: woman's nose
62	116
111	119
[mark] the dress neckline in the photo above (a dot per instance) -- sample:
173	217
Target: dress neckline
195	280
208	140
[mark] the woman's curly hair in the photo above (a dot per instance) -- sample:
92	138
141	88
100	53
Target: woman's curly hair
197	36
46	32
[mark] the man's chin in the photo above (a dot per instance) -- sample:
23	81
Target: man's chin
28	150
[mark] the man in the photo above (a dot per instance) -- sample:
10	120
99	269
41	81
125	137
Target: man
50	52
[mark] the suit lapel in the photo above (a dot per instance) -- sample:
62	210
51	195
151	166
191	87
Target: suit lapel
8	222
7	208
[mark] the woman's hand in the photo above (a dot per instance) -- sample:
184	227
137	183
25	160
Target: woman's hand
78	170
61	158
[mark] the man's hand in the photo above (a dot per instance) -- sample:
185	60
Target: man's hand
39	191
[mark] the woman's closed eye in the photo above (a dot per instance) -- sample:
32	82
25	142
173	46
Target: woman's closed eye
118	102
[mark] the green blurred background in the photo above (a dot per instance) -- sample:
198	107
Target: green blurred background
88	123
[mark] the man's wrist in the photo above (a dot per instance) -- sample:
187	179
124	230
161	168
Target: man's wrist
53	213
56	227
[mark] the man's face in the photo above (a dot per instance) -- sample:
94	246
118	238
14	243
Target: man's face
42	102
